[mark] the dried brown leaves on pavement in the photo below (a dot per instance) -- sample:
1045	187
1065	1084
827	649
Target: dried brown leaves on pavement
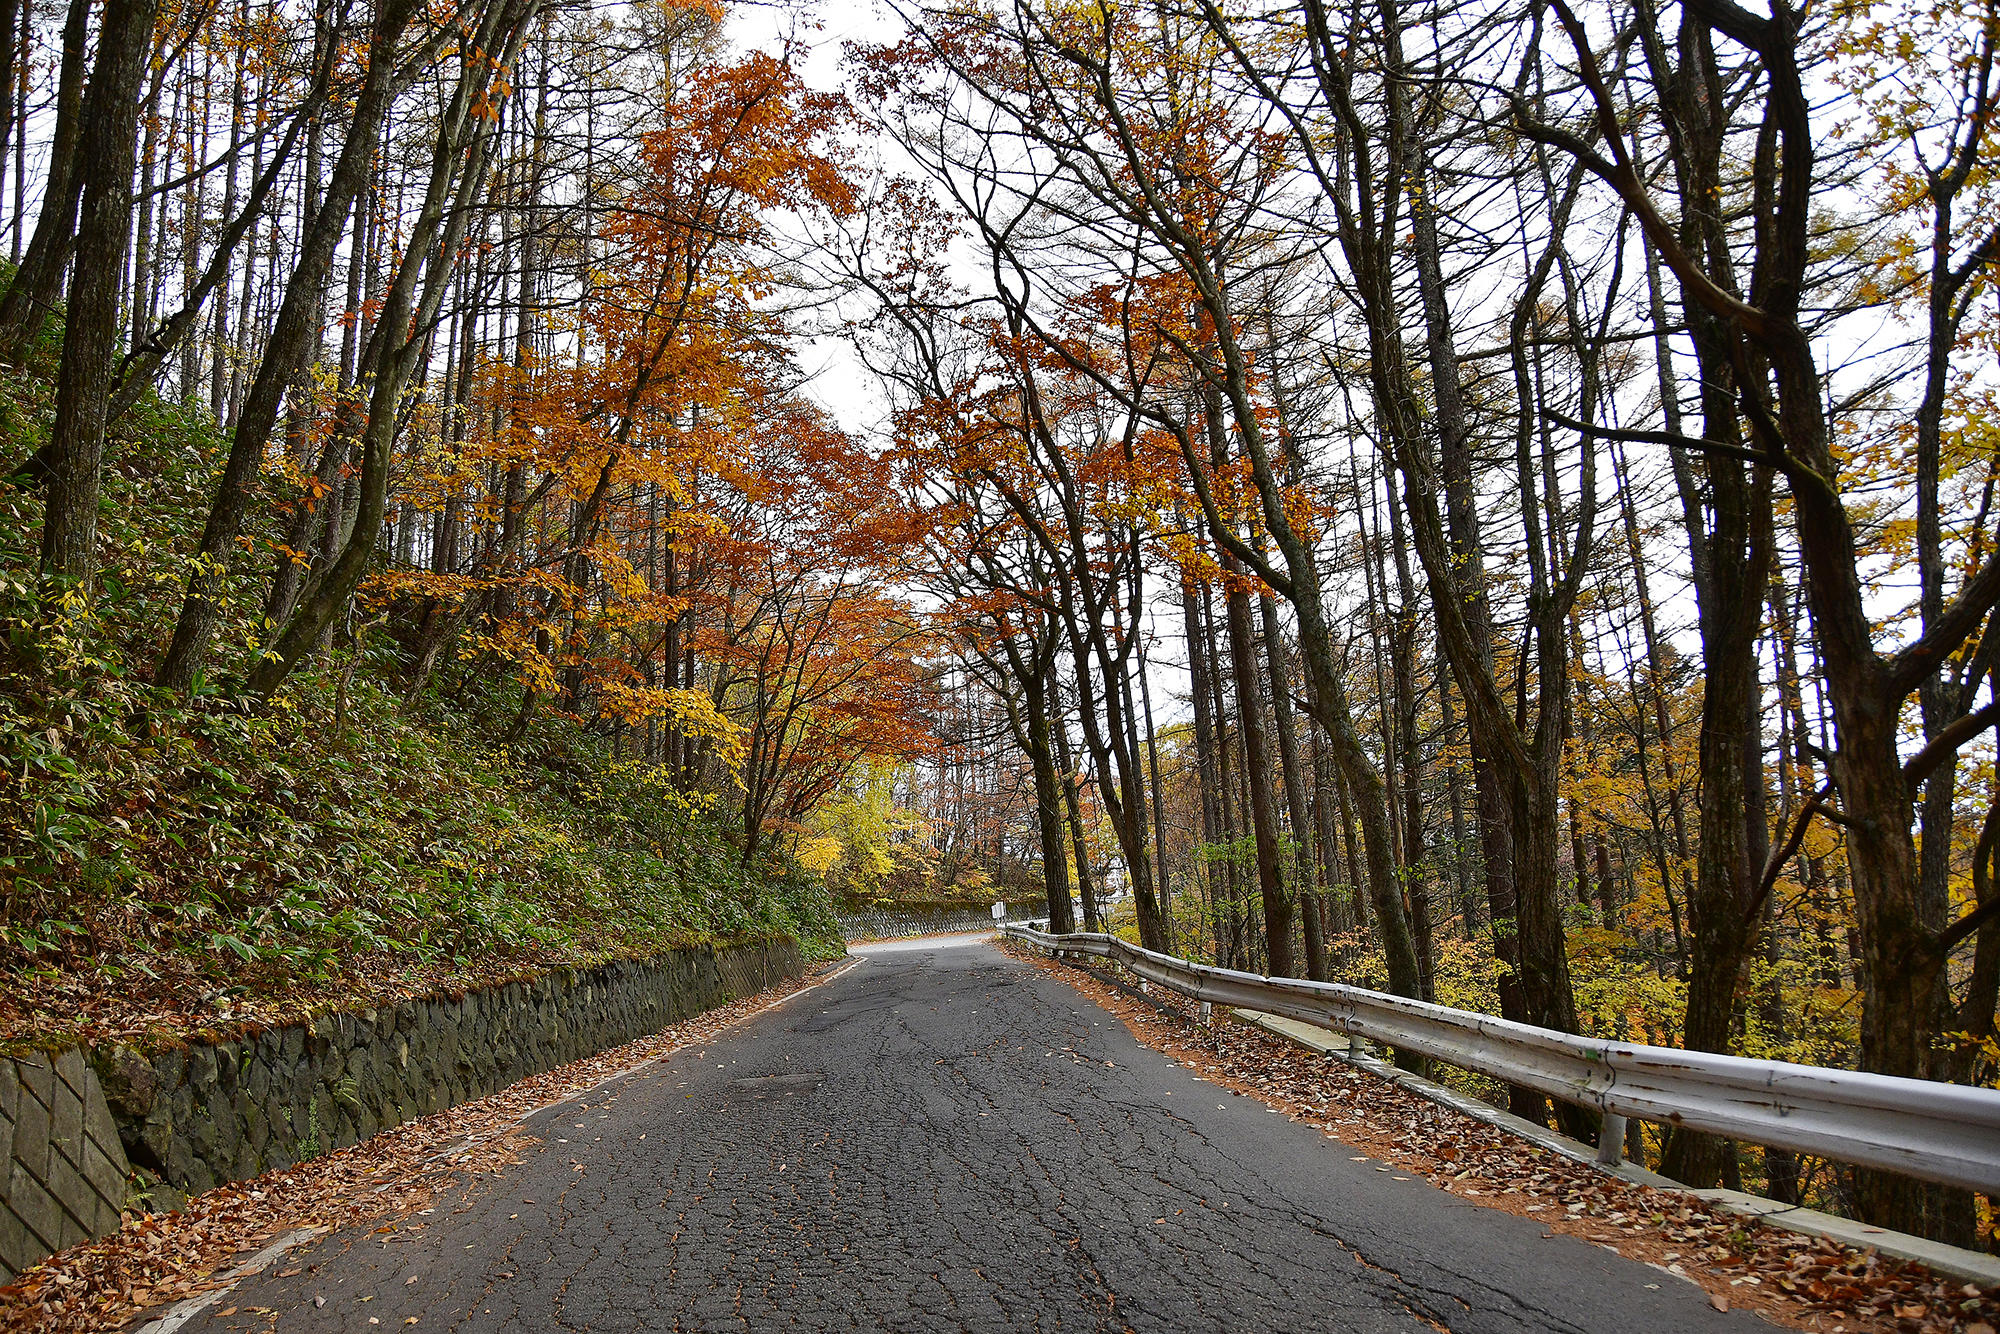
1794	1280
155	1259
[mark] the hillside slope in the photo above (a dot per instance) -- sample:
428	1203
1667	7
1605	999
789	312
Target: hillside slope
171	862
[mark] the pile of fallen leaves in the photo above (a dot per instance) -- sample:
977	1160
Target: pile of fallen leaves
1800	1281
155	1259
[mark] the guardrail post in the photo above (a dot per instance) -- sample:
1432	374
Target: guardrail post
1208	1014
1611	1140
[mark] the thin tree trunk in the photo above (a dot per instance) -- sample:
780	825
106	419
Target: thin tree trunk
1304	860
294	331
1276	896
459	167
38	280
1071	782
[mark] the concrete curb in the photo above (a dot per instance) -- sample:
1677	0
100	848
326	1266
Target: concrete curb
1950	1261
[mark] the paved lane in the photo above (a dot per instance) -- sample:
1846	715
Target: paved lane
943	1139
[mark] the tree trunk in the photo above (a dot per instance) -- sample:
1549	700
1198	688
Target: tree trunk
464	140
1304	861
1459	471
1071	782
292	334
1277	902
90	337
1048	791
38	280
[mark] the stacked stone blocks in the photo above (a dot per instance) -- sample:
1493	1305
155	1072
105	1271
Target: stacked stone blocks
916	920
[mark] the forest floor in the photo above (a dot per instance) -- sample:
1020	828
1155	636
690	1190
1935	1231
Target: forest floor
1790	1279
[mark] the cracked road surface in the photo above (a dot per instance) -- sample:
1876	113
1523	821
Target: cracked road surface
943	1139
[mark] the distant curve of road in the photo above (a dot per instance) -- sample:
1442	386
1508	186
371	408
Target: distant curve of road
944	1139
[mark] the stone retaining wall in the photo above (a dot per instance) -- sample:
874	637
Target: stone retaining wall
912	920
193	1117
62	1170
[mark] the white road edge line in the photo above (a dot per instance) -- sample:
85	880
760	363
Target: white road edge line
190	1307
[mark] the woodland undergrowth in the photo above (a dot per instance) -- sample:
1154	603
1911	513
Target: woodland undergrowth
171	862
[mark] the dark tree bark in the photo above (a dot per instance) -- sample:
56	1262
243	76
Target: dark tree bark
1072	781
1271	882
1207	761
1048	806
409	309
39	278
1304	860
90	337
1782	395
295	330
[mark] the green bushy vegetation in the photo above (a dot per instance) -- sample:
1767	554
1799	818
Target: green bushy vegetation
170	860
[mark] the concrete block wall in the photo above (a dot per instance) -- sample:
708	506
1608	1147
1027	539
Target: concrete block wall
198	1115
63	1178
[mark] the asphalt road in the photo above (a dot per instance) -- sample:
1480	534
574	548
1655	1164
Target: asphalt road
943	1139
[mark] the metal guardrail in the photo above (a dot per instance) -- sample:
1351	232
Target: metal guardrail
1916	1127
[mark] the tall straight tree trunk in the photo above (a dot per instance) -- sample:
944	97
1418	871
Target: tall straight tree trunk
1459	471
1461	841
1072	781
1228	931
12	60
18	94
464	142
1292	768
142	240
90	336
1158	790
1335	895
1208	779
218	366
1275	893
39	278
1048	799
1368	793
1728	523
1409	753
1355	874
